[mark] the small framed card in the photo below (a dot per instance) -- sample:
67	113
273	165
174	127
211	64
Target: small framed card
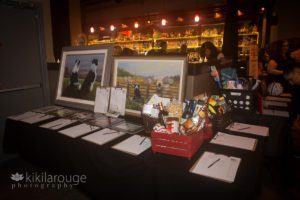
105	121
64	112
128	127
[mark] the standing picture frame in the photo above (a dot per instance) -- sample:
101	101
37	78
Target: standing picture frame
82	70
145	76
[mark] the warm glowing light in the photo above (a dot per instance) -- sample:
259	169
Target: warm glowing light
262	9
197	18
101	28
136	25
217	15
163	22
92	30
180	19
112	27
240	13
149	22
124	26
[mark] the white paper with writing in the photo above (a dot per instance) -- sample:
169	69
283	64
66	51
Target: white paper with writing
134	145
103	136
78	130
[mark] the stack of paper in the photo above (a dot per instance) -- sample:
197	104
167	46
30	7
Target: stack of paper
248	128
217	166
47	109
57	124
234	141
134	145
78	130
103	136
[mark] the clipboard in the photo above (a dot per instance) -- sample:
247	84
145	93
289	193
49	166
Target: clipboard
234	141
110	101
216	166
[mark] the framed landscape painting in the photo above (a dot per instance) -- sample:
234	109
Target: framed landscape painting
82	70
145	76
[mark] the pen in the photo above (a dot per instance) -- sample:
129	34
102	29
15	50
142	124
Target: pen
244	128
110	132
214	162
142	141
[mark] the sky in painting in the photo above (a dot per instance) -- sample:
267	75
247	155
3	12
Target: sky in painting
151	68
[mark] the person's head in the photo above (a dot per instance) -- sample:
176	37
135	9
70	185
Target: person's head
183	48
208	51
117	51
163	45
264	55
284	47
293	74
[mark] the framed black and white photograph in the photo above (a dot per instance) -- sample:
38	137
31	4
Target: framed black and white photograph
145	76
82	70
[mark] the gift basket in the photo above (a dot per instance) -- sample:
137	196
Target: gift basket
181	126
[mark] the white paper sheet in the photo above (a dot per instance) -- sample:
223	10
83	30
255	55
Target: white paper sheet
248	128
102	100
117	100
78	130
103	136
134	145
37	118
57	124
234	141
23	115
217	166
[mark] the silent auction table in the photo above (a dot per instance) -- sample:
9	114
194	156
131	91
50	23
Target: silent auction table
111	173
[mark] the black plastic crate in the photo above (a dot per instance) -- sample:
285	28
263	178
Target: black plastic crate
240	100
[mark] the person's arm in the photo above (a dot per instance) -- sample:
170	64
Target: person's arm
272	65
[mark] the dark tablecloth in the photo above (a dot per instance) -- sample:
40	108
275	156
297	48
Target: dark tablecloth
114	174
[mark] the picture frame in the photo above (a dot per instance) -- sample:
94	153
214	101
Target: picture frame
145	76
82	70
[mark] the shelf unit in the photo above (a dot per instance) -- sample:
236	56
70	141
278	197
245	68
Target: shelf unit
209	32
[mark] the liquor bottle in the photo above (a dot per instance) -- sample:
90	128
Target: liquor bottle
162	115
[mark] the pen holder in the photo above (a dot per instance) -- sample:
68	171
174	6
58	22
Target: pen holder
220	122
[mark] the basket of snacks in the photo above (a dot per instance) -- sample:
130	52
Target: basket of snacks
182	128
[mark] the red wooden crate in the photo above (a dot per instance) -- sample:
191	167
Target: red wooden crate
178	145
